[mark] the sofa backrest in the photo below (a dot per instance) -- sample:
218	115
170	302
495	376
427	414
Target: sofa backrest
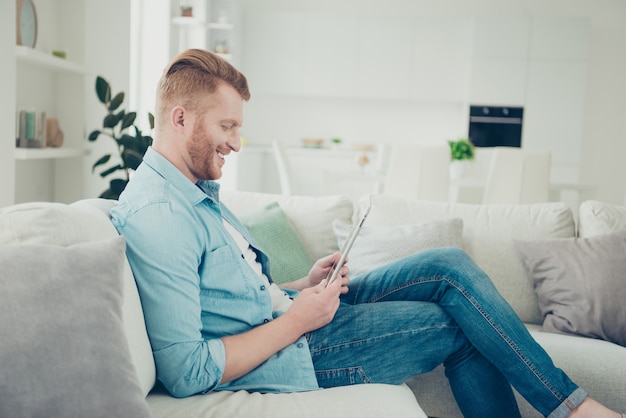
488	233
311	216
83	221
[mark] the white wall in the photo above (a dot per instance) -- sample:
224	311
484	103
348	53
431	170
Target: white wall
290	118
7	109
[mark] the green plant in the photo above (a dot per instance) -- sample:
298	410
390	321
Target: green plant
131	143
461	149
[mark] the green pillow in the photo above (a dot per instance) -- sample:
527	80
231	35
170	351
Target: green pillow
279	240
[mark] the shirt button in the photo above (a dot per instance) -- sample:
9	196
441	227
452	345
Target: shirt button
263	287
266	320
300	345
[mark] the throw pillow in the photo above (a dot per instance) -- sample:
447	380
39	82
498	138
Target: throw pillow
600	218
280	241
376	246
63	350
580	284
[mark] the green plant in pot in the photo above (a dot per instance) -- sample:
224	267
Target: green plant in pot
132	144
461	149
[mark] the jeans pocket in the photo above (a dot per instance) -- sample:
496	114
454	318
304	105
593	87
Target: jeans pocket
342	377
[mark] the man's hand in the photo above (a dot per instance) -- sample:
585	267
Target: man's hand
315	306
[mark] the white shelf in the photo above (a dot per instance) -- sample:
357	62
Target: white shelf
194	21
47	153
222	26
48	61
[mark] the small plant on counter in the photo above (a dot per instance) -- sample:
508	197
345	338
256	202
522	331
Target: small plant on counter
461	149
131	143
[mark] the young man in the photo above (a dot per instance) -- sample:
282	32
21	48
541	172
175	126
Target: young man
216	320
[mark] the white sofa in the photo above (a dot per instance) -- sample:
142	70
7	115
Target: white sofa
487	235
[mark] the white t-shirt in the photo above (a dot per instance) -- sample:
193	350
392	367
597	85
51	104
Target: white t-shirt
280	300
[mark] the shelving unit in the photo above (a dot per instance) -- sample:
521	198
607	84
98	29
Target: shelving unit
199	30
55	86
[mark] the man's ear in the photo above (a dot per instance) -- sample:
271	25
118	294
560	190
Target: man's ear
178	117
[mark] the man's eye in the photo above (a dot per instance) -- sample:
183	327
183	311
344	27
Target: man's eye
227	127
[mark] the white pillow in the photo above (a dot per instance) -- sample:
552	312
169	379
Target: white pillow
377	246
488	233
600	218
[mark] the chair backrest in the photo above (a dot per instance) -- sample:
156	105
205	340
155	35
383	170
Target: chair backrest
418	171
518	175
285	176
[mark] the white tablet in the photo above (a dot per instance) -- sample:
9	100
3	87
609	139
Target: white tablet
345	249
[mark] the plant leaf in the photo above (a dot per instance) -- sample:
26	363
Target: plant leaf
129	119
151	120
101	161
118	185
103	90
111	170
94	135
132	159
116	102
110	121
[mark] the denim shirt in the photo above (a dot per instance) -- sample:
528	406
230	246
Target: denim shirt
196	287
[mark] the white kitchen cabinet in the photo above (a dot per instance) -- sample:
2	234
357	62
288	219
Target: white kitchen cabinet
499	69
441	59
559	38
555	108
273	53
383	61
329	62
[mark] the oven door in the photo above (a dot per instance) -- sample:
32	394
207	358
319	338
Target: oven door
493	126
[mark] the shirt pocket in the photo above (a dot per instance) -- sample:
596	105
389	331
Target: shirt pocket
222	274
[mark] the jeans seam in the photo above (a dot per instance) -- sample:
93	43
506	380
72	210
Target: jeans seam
489	320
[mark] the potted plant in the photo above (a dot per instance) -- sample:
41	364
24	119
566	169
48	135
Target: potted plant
461	151
131	143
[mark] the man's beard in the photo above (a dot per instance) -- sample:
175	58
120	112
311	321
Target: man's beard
203	154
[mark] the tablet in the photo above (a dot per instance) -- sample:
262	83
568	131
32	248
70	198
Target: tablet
345	249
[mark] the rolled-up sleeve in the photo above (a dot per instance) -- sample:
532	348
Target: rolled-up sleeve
165	248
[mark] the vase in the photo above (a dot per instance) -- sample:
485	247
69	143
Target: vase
457	169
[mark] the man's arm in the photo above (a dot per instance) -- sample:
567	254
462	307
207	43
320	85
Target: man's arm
320	270
312	309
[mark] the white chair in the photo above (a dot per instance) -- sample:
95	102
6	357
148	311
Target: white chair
418	171
285	175
518	175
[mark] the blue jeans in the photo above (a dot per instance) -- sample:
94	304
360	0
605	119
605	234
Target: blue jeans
438	307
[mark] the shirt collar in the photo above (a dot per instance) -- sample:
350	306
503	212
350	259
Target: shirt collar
195	193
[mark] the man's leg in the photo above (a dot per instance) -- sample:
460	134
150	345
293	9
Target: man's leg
449	278
390	342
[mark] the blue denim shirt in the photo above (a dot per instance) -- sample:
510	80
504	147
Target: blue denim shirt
195	285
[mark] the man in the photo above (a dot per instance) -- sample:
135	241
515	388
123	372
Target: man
216	321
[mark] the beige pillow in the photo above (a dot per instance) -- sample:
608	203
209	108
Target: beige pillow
376	246
580	283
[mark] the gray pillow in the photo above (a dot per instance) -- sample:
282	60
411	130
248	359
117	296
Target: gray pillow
580	284
376	246
63	351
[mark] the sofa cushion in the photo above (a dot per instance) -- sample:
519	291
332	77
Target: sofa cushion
83	221
63	350
363	401
379	245
311	216
488	233
280	241
599	218
581	284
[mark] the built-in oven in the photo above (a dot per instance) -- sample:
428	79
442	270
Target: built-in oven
492	126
